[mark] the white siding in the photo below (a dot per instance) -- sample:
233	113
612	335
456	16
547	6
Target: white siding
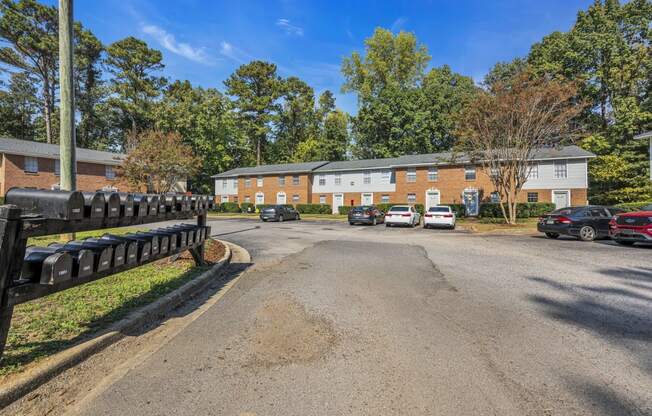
231	187
353	181
576	177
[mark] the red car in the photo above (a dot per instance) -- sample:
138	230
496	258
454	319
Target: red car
632	227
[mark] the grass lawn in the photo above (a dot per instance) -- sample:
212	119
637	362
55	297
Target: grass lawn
486	225
48	325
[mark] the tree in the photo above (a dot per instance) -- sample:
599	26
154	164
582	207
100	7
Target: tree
504	71
256	88
31	31
296	121
502	128
331	144
135	83
19	107
157	161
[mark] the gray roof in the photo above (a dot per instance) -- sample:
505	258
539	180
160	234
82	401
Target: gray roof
51	151
644	135
272	169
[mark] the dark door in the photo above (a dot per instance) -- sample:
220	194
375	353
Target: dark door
600	218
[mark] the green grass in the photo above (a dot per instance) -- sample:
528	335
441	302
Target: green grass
48	325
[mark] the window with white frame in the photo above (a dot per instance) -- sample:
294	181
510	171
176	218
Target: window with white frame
322	199
109	173
31	164
433	173
322	180
57	167
295	179
411	175
384	199
281	180
247	198
494	197
533	173
560	169
247	182
235	183
295	198
259	181
532	197
224	183
469	173
366	178
386	176
411	198
338	179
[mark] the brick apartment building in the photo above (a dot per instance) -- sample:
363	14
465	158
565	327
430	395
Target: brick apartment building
557	175
31	164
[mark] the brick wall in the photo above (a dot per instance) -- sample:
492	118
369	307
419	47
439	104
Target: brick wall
271	187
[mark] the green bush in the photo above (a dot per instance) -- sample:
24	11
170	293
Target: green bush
523	210
229	207
345	209
247	207
458	209
261	207
314	208
633	206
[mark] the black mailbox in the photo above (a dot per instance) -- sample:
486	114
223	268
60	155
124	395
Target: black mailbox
126	205
184	203
141	206
152	239
144	246
211	202
119	249
62	205
131	247
163	241
103	253
182	236
112	207
195	203
161	205
173	237
48	268
82	259
94	203
170	202
152	200
192	232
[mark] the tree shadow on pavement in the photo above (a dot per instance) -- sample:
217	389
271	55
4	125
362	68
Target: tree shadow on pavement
605	400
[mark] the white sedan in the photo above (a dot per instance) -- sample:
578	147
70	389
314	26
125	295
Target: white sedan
402	215
439	216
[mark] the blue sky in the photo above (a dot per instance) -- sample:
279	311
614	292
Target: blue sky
204	41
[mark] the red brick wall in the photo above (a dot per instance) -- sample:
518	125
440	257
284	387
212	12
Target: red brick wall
271	187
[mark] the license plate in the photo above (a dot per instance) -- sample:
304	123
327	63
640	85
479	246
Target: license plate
550	222
627	232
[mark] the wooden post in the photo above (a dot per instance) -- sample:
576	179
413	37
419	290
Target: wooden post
67	141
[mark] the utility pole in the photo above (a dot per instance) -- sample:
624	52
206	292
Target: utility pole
67	141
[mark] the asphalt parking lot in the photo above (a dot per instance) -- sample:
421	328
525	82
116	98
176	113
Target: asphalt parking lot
333	319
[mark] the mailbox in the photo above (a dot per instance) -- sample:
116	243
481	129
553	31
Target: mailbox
126	205
163	241
94	203
82	259
62	205
183	202
45	266
170	202
152	200
172	236
193	232
152	239
195	203
161	205
119	249
144	245
141	206
131	247
112	207
182	236
103	253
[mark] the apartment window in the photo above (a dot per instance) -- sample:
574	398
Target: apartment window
295	180
411	198
322	180
338	179
322	199
433	174
57	167
109	172
495	197
235	183
386	176
259	181
384	199
532	197
247	182
412	174
533	173
31	164
247	198
366	178
561	169
224	183
281	180
295	198
469	173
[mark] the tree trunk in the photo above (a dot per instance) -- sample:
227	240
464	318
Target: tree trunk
47	115
258	151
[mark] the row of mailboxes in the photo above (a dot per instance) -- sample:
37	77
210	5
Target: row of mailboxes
82	258
75	205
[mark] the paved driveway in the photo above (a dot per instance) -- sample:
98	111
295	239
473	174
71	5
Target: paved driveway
339	320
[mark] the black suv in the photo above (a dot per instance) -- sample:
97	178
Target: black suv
279	213
586	223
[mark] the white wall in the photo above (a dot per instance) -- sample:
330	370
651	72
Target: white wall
576	178
230	189
353	181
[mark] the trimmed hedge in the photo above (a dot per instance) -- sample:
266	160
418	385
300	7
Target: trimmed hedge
633	206
261	207
247	207
229	207
458	209
314	208
523	210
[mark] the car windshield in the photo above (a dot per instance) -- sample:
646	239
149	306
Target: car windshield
400	209
438	209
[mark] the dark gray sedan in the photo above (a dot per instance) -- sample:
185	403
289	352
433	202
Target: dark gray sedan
279	213
366	214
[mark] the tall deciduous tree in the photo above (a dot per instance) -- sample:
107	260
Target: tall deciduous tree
19	107
256	88
296	120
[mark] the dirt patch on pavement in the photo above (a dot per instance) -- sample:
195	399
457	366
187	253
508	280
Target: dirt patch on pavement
284	333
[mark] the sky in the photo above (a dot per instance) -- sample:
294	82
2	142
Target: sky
204	41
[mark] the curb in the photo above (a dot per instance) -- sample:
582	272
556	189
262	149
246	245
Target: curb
72	356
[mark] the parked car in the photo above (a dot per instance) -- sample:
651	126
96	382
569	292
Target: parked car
586	222
279	213
439	216
402	215
366	214
632	227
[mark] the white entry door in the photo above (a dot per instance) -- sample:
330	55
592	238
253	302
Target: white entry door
561	199
280	198
432	199
338	201
367	198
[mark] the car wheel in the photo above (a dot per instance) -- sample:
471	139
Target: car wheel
453	226
280	218
264	220
426	226
374	222
552	235
587	233
298	217
350	223
624	242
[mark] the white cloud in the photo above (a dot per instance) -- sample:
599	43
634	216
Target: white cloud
169	42
227	49
398	24
289	28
